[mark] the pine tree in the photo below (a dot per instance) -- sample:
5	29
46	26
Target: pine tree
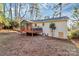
34	11
10	11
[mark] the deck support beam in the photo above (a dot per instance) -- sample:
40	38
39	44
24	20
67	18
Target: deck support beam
26	33
32	34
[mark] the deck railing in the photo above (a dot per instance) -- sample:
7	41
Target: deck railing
32	30
37	29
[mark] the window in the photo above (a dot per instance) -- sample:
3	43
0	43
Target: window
61	34
43	24
35	25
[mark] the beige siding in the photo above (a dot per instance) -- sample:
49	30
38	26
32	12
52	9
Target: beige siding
61	26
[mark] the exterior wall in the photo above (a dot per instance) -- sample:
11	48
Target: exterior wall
46	29
38	25
61	26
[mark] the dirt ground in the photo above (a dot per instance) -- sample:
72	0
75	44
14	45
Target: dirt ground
14	44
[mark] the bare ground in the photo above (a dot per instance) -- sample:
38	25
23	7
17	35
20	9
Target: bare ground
14	44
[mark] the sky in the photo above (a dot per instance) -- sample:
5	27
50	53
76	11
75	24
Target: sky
66	11
47	9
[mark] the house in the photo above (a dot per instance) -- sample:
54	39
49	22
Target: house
60	24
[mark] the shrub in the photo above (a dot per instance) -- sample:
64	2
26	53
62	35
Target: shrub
52	26
73	34
14	24
10	24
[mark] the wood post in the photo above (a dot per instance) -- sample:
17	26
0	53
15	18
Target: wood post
32	33
26	33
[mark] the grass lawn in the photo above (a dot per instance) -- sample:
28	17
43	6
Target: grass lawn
12	43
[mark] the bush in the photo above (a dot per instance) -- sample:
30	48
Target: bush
14	24
52	26
73	34
10	24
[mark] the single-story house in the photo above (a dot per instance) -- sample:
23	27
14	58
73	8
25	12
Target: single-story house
60	25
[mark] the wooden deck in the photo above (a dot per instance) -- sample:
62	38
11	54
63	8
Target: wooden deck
31	31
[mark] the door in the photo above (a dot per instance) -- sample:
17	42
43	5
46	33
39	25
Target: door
60	34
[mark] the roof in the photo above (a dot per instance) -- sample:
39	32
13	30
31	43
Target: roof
58	18
28	21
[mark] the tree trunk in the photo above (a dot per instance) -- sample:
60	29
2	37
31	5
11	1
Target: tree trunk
10	11
4	9
60	5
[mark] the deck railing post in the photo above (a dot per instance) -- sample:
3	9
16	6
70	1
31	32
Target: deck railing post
26	33
32	33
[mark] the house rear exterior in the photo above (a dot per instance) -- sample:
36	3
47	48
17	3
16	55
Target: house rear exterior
43	27
60	23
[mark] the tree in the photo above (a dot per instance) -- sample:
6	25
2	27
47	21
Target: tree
16	10
77	23
7	24
75	14
11	24
34	11
52	26
4	9
14	24
2	20
57	9
60	5
46	17
2	17
37	11
10	11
